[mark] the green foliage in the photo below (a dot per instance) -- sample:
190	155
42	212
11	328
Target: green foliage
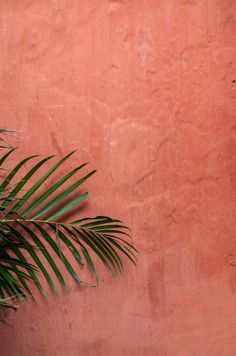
31	227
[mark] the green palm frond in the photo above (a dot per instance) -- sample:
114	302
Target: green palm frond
32	231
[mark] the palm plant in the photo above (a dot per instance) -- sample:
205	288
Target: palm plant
33	234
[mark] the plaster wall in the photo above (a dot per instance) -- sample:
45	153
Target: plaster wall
145	89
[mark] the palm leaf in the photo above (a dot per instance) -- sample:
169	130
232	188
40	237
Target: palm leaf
31	232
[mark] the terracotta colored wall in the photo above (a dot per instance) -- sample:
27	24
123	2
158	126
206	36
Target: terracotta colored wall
145	89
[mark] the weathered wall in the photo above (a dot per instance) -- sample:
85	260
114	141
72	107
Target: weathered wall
146	89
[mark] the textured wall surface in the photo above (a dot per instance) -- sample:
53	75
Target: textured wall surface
146	90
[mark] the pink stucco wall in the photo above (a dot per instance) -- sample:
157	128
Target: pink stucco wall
146	90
